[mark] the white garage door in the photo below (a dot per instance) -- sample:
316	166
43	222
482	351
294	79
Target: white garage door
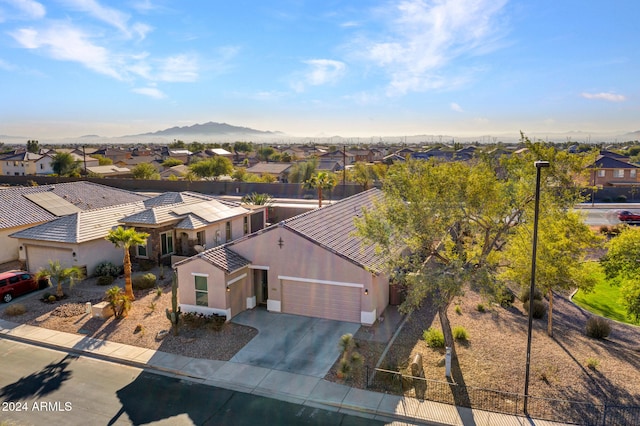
321	300
38	257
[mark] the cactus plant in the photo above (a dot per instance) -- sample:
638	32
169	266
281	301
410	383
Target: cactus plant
173	315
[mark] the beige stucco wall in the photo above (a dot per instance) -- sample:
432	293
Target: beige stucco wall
92	253
10	247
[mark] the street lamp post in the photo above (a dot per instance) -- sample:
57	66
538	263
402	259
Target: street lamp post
539	165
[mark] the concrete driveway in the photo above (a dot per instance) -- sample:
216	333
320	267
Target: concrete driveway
293	343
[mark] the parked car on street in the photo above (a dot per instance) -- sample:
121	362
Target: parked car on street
15	283
627	216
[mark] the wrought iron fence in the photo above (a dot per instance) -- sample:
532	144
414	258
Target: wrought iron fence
575	412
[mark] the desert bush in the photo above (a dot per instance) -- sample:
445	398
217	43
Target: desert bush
119	302
598	327
105	280
351	360
605	199
539	308
158	292
621	199
505	297
480	307
197	320
593	363
15	310
460	333
143	282
146	265
458	310
108	269
524	294
433	337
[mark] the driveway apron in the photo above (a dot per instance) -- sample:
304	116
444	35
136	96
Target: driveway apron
292	343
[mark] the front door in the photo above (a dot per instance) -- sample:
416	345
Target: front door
261	286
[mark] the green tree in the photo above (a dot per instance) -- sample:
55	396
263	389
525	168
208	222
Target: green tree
212	167
170	162
302	172
441	224
286	157
177	144
102	160
59	275
126	238
145	171
564	241
33	146
196	146
321	181
258	199
622	268
363	175
264	153
242	148
63	164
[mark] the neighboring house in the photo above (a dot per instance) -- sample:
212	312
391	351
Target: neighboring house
609	171
114	154
329	166
311	264
177	223
178	171
362	155
346	157
280	171
179	154
43	165
110	171
24	207
22	164
220	152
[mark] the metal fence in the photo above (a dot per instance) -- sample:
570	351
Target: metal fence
575	412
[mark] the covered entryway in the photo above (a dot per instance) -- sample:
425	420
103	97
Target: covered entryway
321	299
39	256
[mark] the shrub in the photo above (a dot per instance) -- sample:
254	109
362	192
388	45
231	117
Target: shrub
351	360
105	280
524	294
146	265
143	282
539	308
15	310
197	320
480	307
606	199
433	337
52	298
458	310
598	327
158	292
505	297
621	199
107	269
118	301
593	363
604	230
460	333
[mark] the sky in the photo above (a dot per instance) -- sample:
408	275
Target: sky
311	68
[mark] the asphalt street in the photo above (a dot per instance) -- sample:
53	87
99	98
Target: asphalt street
40	386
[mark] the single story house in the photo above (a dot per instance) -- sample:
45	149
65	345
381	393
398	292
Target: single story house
280	171
178	224
24	207
311	264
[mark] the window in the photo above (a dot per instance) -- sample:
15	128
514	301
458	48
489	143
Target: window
632	173
228	231
246	225
142	249
618	173
202	295
41	166
166	243
201	238
601	173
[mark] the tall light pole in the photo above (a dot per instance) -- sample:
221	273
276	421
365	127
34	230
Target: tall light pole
539	165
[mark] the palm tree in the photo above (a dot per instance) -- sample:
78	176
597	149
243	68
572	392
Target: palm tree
58	275
126	238
322	180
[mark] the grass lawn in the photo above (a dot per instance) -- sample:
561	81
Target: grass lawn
603	300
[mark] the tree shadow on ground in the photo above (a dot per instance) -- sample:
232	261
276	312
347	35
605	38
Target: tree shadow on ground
39	384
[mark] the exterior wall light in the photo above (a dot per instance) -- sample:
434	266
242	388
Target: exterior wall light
228	289
366	291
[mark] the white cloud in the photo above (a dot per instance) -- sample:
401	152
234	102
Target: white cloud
111	16
6	66
152	92
66	43
605	96
29	9
179	68
319	72
424	36
455	107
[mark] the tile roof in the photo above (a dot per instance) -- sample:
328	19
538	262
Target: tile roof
224	258
605	162
81	226
274	168
17	210
333	227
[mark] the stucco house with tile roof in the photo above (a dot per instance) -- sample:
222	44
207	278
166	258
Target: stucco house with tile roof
24	207
610	171
311	264
177	222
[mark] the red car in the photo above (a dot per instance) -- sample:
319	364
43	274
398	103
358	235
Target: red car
627	216
15	283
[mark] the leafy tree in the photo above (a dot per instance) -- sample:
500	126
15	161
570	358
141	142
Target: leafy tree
363	175
126	238
177	144
265	152
622	268
59	275
102	160
321	181
119	302
286	157
170	162
258	199
196	146
33	146
242	148
302	172
212	167
63	164
441	225
564	241
145	171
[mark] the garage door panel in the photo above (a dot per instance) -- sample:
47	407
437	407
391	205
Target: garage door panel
38	257
335	302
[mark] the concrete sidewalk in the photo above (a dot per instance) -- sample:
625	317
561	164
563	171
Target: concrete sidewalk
285	386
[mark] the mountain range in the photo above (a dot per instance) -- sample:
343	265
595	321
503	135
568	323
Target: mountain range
211	128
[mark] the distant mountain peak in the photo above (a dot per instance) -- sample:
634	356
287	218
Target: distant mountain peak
209	128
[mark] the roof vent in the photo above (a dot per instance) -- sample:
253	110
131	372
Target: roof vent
281	223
